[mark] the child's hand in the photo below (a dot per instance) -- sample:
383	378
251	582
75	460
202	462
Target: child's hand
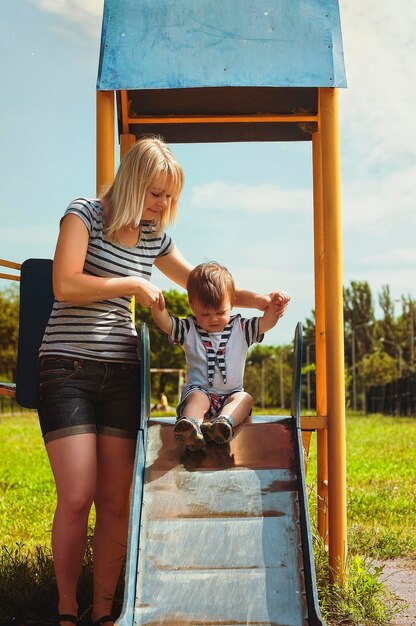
273	312
160	304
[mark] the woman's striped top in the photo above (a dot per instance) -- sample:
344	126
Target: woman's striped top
103	330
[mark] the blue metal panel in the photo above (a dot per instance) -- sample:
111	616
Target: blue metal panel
165	44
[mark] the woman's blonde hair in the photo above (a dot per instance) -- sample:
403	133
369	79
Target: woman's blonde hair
146	161
209	283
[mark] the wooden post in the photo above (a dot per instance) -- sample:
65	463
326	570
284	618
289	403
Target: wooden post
334	332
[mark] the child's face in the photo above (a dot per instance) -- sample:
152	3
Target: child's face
212	320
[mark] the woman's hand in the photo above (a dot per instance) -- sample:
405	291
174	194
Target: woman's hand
279	298
148	294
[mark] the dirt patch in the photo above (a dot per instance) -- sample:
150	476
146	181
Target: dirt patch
400	578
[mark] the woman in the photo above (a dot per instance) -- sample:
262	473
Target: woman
89	390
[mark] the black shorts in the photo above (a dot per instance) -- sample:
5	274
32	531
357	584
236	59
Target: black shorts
84	396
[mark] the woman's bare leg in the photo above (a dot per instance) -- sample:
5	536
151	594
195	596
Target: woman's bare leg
115	460
73	463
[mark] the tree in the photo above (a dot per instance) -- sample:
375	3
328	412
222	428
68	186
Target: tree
268	375
359	321
378	368
9	326
407	322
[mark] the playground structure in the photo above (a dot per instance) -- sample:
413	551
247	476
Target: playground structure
243	70
246	70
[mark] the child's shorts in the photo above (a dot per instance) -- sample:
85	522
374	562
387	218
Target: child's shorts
216	402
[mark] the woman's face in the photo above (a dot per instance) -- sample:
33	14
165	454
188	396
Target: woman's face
157	198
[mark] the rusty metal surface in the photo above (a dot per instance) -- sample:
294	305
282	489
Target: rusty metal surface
219	538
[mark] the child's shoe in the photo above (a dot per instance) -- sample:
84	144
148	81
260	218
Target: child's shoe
219	430
188	431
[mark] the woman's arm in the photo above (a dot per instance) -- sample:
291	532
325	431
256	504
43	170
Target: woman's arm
174	266
251	300
177	268
70	284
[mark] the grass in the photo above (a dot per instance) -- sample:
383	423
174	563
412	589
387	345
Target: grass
381	481
363	601
28	495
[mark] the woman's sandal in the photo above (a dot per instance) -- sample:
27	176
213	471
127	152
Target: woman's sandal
67	617
103	620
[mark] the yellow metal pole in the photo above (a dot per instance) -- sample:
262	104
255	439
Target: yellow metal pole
334	332
320	340
105	139
126	141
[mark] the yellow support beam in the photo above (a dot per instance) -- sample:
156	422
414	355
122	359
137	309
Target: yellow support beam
334	332
313	422
11	265
320	339
255	118
126	141
105	139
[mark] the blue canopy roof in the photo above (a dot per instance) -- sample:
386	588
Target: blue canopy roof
165	44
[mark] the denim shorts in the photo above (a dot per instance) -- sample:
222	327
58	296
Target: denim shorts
84	396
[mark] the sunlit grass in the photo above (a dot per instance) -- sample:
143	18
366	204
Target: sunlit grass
26	483
381	483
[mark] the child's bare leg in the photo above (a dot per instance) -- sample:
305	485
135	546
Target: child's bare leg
187	428
196	405
238	406
235	410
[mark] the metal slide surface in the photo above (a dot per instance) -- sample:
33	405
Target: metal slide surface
223	537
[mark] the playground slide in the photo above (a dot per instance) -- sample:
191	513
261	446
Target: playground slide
221	536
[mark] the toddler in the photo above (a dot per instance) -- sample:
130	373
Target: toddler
213	401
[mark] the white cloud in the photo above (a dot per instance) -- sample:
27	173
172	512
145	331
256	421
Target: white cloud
381	205
379	49
252	199
86	13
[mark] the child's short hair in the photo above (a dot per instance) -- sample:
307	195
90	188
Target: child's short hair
209	283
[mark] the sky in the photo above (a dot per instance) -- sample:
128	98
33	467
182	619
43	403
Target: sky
248	206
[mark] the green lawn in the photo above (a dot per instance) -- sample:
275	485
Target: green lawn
381	464
27	488
381	485
381	513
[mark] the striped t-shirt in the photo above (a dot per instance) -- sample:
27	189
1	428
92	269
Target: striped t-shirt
103	330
